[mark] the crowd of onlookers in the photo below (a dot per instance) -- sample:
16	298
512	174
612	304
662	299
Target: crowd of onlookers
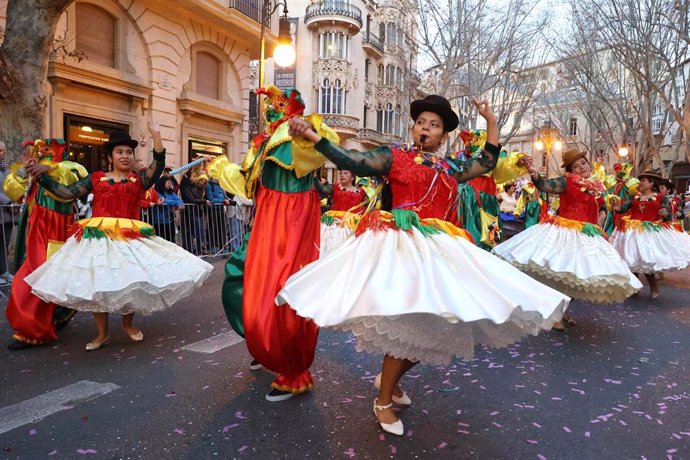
196	213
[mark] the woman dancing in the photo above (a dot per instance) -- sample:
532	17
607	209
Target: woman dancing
113	263
411	285
569	252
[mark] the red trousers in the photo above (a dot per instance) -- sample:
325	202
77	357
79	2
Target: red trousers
29	316
284	238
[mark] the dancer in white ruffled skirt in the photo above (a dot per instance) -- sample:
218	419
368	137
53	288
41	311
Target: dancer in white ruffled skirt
410	284
647	243
569	252
113	263
339	223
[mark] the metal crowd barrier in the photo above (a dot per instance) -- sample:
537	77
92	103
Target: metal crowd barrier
206	231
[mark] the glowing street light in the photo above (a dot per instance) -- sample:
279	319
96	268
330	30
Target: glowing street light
548	140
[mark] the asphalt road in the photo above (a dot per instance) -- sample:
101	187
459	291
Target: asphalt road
617	385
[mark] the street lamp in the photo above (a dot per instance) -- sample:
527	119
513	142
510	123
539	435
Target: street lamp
284	54
548	140
624	151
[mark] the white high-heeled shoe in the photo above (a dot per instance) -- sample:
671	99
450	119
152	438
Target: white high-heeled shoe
396	428
403	400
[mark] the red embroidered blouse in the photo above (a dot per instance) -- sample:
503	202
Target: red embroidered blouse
579	204
418	188
116	199
344	200
645	208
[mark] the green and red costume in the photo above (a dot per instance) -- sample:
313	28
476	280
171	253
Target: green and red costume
284	237
43	224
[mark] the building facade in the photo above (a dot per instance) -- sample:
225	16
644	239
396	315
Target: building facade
183	63
356	65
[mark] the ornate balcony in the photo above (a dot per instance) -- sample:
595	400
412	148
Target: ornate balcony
371	138
333	12
415	77
345	125
373	45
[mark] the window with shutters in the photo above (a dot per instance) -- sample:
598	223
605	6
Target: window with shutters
96	33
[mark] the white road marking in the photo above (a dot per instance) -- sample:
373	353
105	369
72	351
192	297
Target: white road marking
215	343
35	409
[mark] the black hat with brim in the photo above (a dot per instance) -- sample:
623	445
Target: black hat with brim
119	138
438	105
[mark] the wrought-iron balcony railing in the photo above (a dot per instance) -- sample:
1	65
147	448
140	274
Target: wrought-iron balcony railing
331	8
373	40
250	8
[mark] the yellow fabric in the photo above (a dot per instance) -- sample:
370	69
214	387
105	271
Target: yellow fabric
117	223
53	247
555	204
229	175
15	186
239	180
633	184
520	204
491	232
445	227
507	168
305	157
345	218
79	170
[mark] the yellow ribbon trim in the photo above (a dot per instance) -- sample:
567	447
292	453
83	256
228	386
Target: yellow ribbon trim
114	223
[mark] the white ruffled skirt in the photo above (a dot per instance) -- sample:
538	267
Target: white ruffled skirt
336	227
649	247
560	254
117	273
422	297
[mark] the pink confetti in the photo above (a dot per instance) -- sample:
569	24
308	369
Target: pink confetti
497	425
239	415
32	432
178	431
442	445
87	451
350	452
566	429
494	413
532	441
587	434
536	424
463	432
394	450
52	453
172	393
207	386
541	457
671	451
242	449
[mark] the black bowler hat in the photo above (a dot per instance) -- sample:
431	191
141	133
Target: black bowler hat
438	105
119	138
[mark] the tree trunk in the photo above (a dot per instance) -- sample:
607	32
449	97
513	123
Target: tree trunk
24	56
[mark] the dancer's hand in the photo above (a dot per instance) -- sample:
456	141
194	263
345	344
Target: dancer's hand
663	212
524	160
299	127
36	169
153	126
484	109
